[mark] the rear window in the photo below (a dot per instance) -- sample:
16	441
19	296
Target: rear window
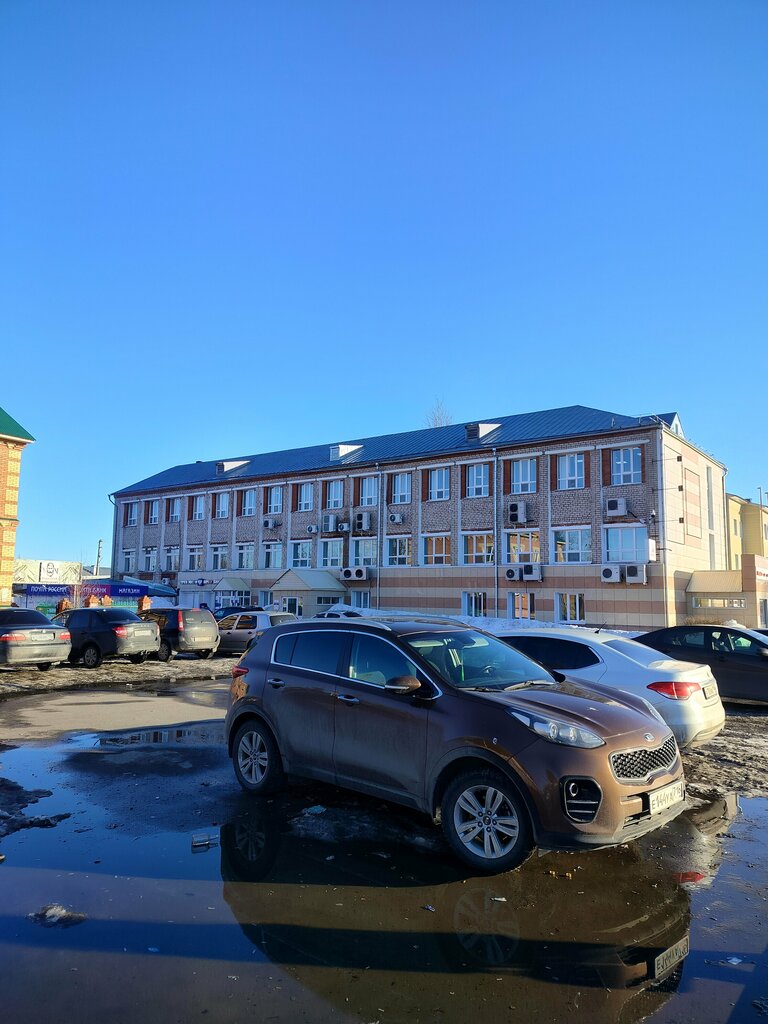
117	615
197	616
278	618
23	616
555	652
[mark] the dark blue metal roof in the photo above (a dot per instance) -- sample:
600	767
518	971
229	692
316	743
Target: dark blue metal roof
550	424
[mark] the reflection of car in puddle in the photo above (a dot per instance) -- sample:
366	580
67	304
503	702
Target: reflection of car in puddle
372	924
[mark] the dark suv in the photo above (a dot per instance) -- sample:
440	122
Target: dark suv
184	630
99	633
452	721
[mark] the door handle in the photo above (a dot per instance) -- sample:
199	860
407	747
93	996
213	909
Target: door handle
347	700
276	684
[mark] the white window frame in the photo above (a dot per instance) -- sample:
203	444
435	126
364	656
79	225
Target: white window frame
305	500
369	490
526	551
570	607
570	471
439	484
221	501
434	557
198	507
363	551
132	515
470	548
129	560
478	477
626	466
219	557
245	559
150	559
637	551
275	500
195	558
174	512
153	517
331	553
360	598
521	604
301	554
401	489
398	550
334	496
265	598
580	549
523	476
171	558
474	603
272	554
249	502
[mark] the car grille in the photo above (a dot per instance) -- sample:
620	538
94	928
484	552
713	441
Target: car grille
637	765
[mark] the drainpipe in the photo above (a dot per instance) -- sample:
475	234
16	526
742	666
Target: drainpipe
661	519
379	538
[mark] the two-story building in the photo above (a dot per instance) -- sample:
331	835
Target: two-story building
570	515
13	439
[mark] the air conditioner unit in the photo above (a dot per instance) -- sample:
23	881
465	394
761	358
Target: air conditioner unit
355	572
342	527
514	572
395	517
532	571
312	528
615	507
518	513
269	524
329	523
610	573
362	520
636	574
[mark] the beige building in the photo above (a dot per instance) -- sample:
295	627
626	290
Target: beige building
13	439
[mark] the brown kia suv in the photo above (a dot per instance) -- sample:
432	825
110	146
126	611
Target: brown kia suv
450	720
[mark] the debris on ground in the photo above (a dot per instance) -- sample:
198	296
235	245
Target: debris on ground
54	915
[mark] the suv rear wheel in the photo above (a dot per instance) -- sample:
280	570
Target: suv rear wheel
256	759
485	821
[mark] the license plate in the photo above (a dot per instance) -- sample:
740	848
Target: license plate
666	960
664	798
142	632
710	690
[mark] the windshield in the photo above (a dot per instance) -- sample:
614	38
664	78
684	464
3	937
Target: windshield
637	652
471	660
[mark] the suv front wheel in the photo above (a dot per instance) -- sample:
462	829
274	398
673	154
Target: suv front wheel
485	821
256	759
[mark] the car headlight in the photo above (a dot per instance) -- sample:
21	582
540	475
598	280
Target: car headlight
555	731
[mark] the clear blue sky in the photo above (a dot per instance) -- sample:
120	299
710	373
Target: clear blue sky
235	227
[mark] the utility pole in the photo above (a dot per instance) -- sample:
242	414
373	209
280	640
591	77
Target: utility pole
98	558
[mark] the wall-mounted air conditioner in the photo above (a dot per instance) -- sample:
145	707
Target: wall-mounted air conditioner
354	572
329	523
532	571
362	520
518	513
269	523
312	528
395	517
342	527
636	574
615	507
515	572
610	573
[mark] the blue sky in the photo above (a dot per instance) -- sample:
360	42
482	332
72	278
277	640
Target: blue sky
236	227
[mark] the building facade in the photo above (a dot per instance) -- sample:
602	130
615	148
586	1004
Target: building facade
566	515
13	439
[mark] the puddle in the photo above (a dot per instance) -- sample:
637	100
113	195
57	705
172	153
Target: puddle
198	903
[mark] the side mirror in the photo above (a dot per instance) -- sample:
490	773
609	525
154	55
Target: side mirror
402	684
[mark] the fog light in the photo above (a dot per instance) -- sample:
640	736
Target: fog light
581	799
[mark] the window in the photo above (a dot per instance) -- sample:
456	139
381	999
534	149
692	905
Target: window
132	513
153	512
174	510
319	651
626	544
523	546
401	489
369	490
225	598
150	559
334	495
436	550
570	471
439	484
399	551
301	554
375	661
129	561
171	563
478	548
265	598
735	527
523	476
521	606
331	553
555	653
626	466
219	556
573	545
221	505
360	599
737	561
719	602
569	607
477	480
364	551
473	602
275	500
272	555
195	558
305	501
245	556
249	502
198	506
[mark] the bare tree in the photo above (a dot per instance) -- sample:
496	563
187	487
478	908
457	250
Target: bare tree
438	415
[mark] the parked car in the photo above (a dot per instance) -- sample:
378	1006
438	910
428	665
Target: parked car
454	722
99	633
184	630
27	637
685	695
237	631
738	658
234	609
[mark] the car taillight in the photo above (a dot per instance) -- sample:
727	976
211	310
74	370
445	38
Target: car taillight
674	689
119	630
65	635
238	671
181	621
12	638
